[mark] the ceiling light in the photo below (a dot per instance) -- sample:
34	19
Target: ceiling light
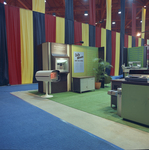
5	3
144	6
119	11
113	22
86	13
138	34
54	14
45	1
141	21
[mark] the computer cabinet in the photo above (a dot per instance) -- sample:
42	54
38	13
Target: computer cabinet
82	84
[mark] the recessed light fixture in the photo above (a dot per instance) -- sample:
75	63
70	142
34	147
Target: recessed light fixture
141	21
113	22
86	13
54	14
138	34
119	11
5	3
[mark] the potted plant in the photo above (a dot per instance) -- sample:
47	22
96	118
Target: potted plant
101	76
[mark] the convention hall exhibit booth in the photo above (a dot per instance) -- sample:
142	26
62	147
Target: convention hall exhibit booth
74	62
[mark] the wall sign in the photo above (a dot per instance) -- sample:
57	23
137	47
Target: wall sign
78	62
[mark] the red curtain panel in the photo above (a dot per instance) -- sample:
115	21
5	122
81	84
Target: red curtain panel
92	14
136	41
77	33
13	44
113	53
134	19
50	28
98	37
126	41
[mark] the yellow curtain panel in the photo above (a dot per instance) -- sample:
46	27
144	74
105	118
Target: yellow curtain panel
38	5
85	34
117	54
129	41
143	22
26	31
108	10
103	41
139	42
60	30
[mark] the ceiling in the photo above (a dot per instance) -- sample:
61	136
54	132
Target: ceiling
80	6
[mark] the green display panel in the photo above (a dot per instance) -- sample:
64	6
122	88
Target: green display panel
135	103
92	52
136	54
89	54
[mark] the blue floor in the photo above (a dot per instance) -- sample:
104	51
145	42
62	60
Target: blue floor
24	126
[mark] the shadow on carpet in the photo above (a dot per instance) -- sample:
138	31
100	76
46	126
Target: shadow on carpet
24	126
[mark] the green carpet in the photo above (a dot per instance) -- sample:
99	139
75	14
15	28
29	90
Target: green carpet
94	102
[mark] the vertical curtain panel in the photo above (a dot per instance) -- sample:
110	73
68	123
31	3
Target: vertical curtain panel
4	80
26	30
60	30
129	41
133	19
108	49
126	41
103	41
117	54
136	41
69	10
69	22
139	42
143	22
13	44
50	28
142	42
38	5
85	34
113	53
77	32
108	10
122	34
133	41
98	37
69	31
92	16
39	36
92	35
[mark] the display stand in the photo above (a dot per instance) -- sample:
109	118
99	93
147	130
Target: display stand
47	95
